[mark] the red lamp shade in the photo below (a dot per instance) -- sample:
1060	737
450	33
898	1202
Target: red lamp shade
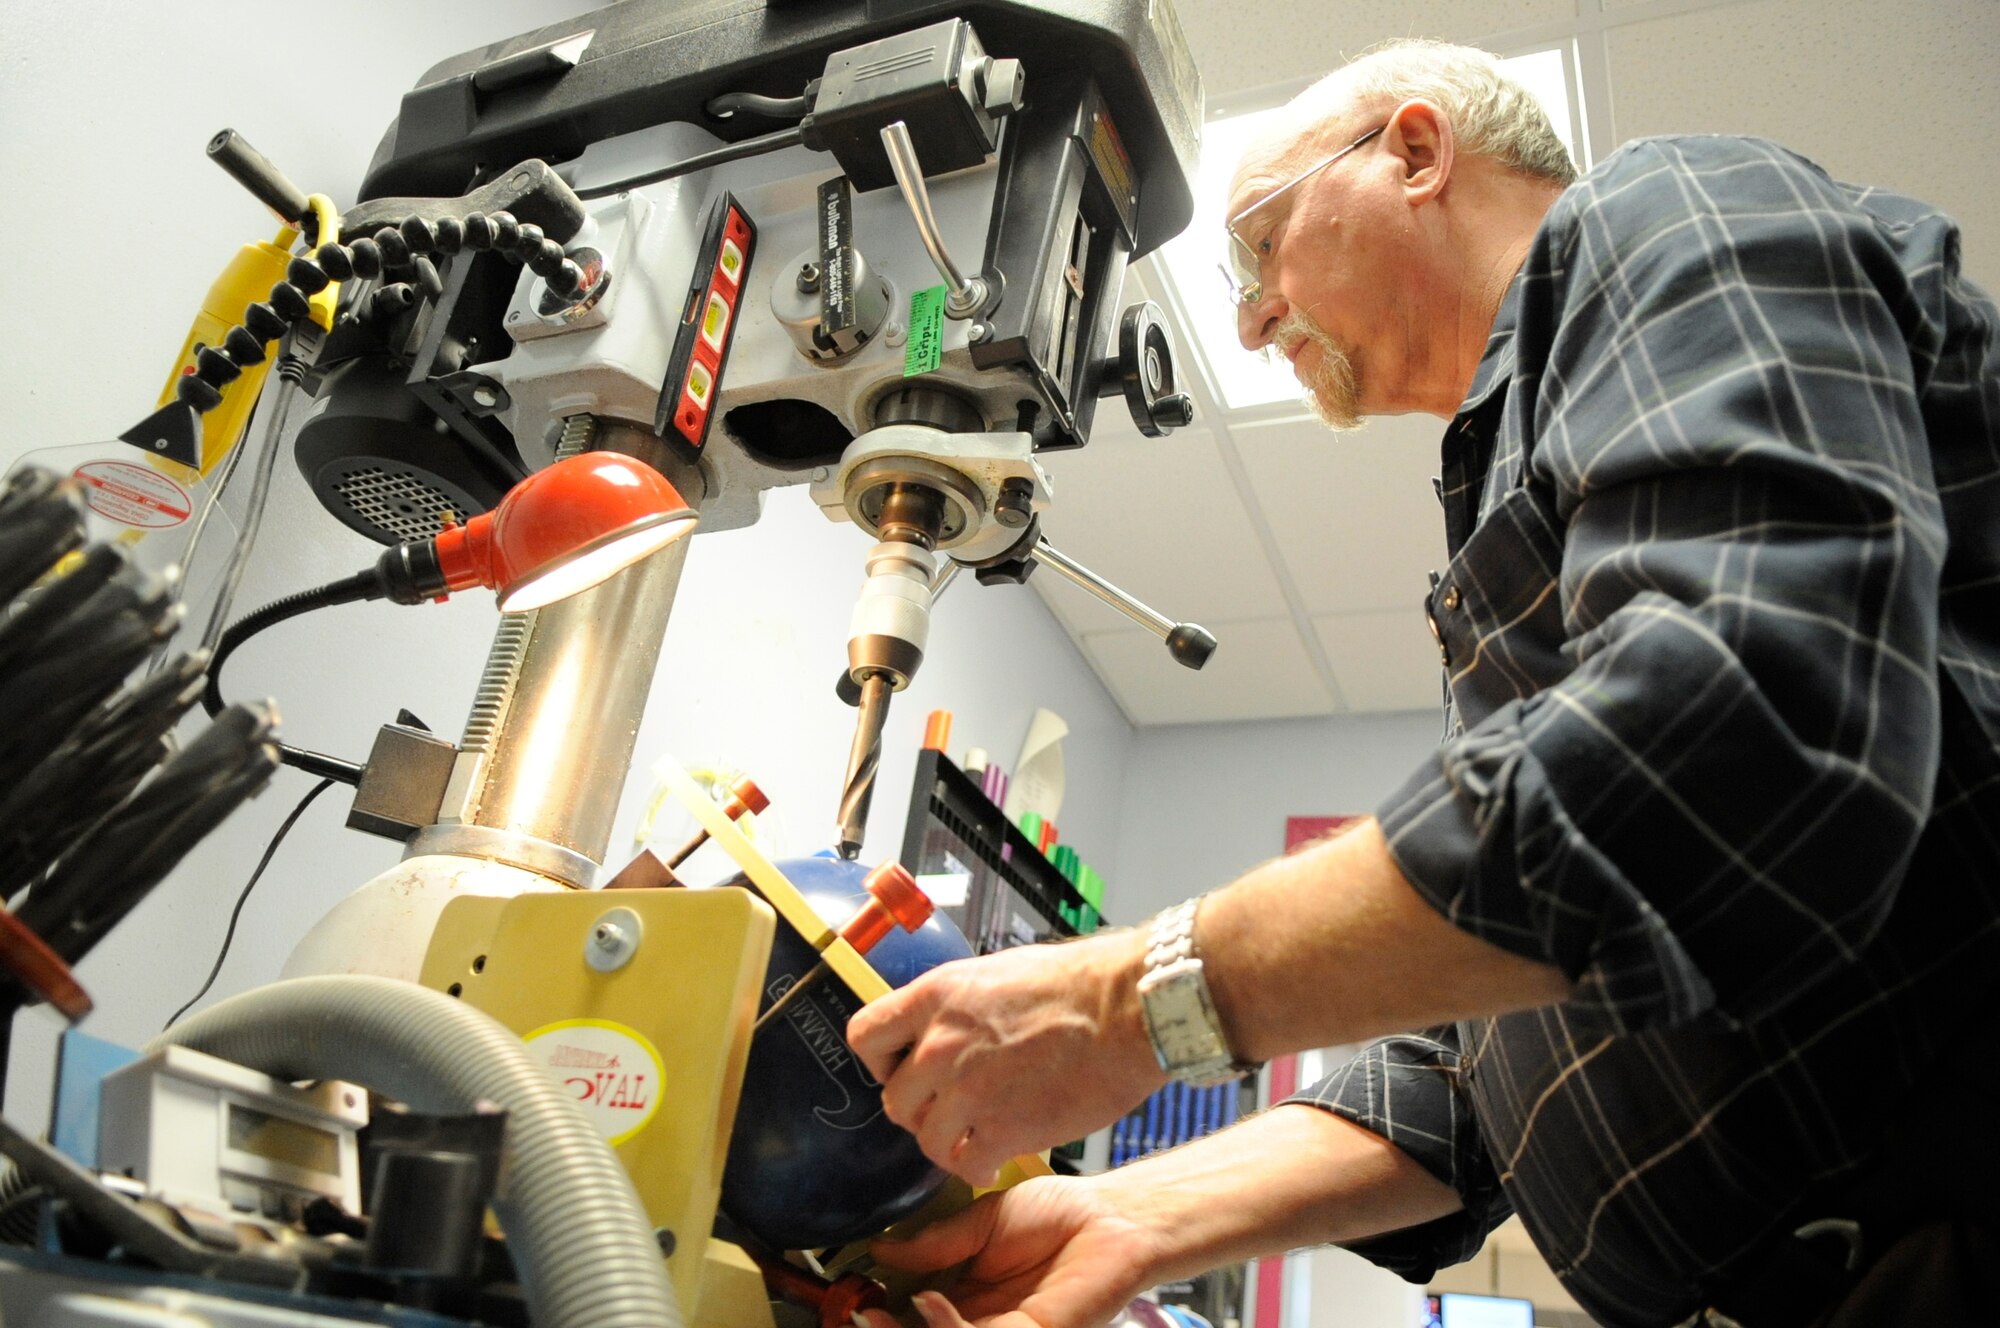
564	529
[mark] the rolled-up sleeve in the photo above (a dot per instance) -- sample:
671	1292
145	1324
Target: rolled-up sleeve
1714	807
1407	1090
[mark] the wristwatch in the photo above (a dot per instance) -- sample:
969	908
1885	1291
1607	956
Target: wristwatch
1180	1013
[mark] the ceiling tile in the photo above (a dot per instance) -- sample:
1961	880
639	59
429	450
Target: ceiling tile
1789	70
1260	670
1383	661
1234	54
1355	520
1159	518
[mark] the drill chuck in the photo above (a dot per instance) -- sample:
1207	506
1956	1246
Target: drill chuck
892	618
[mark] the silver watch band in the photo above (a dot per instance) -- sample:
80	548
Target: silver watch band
1180	1012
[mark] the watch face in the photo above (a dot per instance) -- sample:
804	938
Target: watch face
1180	1017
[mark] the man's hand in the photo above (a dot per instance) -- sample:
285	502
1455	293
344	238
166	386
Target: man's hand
1059	1253
985	1059
1049	1253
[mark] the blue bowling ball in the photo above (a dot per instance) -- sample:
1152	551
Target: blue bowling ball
813	1160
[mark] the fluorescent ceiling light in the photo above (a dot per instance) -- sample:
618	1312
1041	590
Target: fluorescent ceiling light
1190	261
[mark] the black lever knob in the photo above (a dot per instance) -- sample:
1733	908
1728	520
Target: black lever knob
1190	644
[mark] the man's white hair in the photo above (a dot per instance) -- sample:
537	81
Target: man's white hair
1491	115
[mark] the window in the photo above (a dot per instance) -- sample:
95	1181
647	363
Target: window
1189	262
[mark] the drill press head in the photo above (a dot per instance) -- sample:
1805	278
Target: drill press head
756	277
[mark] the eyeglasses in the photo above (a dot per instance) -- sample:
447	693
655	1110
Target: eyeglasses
1245	270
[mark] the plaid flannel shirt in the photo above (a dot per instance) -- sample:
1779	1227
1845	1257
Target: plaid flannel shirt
1721	629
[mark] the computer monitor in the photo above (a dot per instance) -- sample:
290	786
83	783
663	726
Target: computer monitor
1461	1311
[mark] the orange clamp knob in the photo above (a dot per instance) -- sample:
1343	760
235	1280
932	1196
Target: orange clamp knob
847	1297
894	901
744	796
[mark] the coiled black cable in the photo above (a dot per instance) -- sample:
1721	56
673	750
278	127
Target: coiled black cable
401	257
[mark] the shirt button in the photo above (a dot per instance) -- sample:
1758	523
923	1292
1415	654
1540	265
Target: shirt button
1450	598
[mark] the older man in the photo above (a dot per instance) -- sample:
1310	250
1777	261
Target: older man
1700	897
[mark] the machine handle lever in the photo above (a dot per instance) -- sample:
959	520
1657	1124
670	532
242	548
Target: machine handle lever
945	576
966	294
1189	643
254	171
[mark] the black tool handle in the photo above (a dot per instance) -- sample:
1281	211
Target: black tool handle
254	171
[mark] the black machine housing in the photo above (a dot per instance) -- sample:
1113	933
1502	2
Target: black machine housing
1094	170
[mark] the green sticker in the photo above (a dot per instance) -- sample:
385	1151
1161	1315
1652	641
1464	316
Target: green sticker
926	332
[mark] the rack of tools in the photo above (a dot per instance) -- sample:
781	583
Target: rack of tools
99	795
1013	895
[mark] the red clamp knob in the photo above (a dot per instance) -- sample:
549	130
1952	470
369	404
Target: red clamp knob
894	901
847	1297
837	1302
744	796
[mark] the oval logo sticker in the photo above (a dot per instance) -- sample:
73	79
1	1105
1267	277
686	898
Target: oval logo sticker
609	1070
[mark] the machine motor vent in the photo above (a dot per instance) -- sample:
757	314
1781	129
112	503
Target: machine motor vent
399	505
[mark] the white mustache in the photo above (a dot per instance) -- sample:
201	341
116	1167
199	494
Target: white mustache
1332	388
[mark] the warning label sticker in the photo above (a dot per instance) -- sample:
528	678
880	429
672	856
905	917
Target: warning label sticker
133	495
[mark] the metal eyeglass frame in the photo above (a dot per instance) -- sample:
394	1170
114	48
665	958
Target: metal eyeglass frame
1250	292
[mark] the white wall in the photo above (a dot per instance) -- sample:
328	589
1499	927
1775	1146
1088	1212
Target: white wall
104	111
1203	803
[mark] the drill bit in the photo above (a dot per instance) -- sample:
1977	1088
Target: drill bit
862	762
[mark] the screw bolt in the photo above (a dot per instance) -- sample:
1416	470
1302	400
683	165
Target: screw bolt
809	278
1014	505
613	940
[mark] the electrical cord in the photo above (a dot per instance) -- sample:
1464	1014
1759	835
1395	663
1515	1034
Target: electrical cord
348	590
260	493
771	108
229	934
701	161
224	474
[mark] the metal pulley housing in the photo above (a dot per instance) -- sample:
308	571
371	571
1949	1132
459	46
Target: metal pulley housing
985	479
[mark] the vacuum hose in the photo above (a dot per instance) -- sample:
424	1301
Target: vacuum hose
576	1229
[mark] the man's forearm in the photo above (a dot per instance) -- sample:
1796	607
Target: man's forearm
1293	1176
1327	947
1332	945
